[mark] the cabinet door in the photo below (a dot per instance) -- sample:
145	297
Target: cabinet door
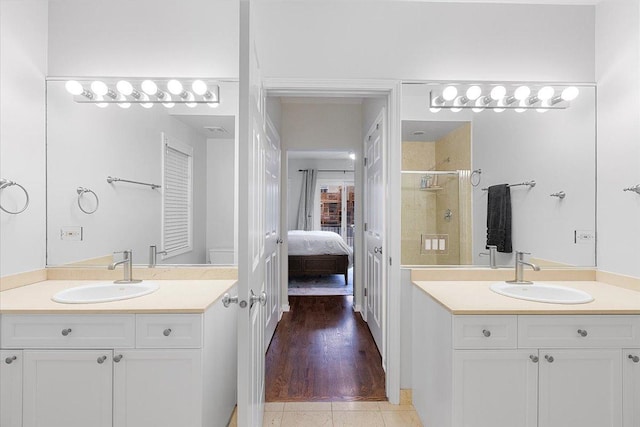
580	388
157	388
67	388
10	388
631	391
495	388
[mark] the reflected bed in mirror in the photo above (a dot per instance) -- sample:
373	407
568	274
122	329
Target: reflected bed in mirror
132	177
444	202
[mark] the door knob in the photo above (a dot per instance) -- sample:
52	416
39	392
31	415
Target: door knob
262	298
66	332
486	333
635	359
166	332
377	250
582	332
117	358
10	360
101	359
549	358
227	300
534	358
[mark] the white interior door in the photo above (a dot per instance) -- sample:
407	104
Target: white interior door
374	209
272	232
251	232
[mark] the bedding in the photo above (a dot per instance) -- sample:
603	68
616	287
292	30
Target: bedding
318	243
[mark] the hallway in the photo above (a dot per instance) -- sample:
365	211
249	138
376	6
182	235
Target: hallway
323	351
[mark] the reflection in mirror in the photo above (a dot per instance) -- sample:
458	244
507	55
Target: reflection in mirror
141	176
451	157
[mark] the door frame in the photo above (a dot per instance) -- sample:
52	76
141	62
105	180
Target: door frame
391	89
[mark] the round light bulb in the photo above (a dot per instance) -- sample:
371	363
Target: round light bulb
435	109
124	87
543	105
199	87
122	102
546	93
74	87
456	110
149	87
522	93
213	104
167	98
175	87
99	88
190	97
101	104
460	101
481	102
477	110
570	93
522	104
145	97
474	92
449	93
498	92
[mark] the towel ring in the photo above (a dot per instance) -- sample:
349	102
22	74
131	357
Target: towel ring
477	173
81	191
4	183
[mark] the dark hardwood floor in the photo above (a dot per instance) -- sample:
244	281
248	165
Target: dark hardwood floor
323	351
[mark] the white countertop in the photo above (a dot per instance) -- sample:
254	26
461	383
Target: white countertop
475	297
173	296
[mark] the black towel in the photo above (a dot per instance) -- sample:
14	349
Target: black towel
499	218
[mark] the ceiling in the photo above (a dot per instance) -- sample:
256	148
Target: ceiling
433	131
204	123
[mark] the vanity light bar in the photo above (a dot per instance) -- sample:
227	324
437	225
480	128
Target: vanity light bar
146	93
500	97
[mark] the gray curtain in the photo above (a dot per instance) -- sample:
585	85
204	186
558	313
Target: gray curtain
305	208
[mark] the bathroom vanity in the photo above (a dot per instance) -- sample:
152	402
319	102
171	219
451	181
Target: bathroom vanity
486	360
164	359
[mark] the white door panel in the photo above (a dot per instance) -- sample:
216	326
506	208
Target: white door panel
375	271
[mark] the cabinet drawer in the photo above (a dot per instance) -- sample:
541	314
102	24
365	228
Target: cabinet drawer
169	331
485	332
68	331
578	331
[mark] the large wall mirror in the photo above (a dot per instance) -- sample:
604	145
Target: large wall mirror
545	151
136	175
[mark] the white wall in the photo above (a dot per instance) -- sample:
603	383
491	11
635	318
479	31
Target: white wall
147	38
124	143
421	40
23	67
556	149
617	70
220	194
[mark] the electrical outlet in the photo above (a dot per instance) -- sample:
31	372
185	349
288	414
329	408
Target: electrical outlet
584	237
71	233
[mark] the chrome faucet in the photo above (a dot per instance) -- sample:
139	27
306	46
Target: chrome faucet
153	255
127	262
492	255
520	263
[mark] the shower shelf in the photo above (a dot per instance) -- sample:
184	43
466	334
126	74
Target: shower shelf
435	188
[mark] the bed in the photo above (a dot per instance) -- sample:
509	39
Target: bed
318	253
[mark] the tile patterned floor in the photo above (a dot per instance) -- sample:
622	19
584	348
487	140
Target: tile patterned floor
340	414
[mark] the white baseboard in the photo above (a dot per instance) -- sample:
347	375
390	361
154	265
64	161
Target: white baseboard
357	308
286	308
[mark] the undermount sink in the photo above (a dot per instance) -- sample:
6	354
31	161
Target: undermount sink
104	292
542	292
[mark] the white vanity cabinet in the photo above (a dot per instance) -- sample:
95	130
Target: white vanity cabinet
631	393
67	388
10	388
523	370
119	370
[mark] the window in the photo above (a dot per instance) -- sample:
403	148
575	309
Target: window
177	198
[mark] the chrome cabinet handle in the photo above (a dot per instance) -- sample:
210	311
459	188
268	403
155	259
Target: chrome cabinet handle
101	359
549	359
486	333
9	360
534	358
166	332
66	332
582	332
117	358
635	359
